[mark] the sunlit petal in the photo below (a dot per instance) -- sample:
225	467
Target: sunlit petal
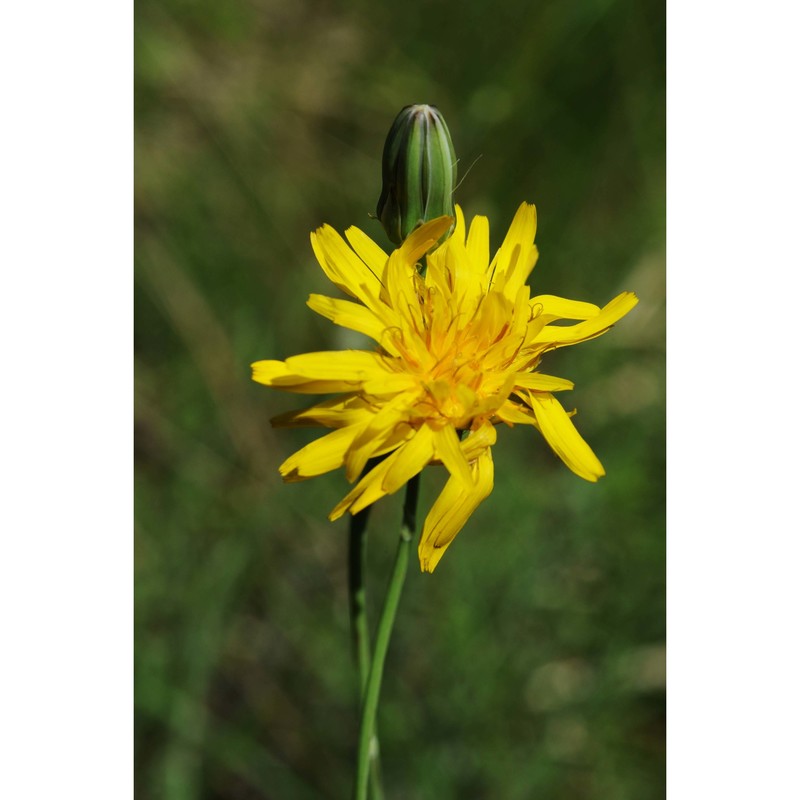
452	509
563	437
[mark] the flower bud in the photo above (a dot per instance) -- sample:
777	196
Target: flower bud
419	171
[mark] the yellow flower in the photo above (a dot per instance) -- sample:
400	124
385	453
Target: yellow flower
458	351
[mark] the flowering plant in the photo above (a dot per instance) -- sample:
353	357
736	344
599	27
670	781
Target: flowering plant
458	342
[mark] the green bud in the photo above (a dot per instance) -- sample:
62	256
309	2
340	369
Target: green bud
419	171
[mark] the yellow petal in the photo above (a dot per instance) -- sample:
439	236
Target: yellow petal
436	274
318	387
319	373
352	315
542	383
514	414
400	291
390	383
520	270
551	308
367	250
517	255
343	267
410	460
374	434
366	491
336	412
401	433
478	441
269	370
452	509
561	335
370	488
562	436
460	229
478	243
522	232
465	280
424	238
448	450
277	374
320	456
342	365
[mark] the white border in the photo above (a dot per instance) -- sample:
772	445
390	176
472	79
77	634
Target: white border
66	189
733	213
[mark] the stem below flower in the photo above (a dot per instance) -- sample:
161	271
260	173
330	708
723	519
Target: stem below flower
369	706
360	629
358	594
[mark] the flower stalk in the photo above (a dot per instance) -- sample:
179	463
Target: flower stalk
383	635
357	558
360	629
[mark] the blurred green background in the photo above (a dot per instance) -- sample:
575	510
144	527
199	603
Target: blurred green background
531	664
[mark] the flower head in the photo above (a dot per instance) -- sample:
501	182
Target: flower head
458	351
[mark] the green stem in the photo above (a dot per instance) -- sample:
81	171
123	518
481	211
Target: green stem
369	706
358	594
360	629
